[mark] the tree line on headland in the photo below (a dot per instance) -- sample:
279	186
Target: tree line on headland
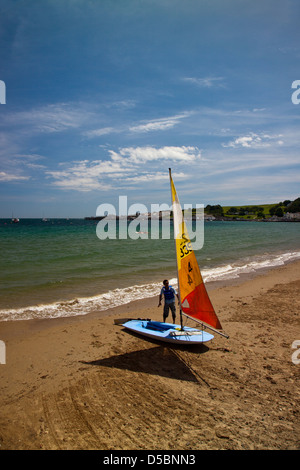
285	211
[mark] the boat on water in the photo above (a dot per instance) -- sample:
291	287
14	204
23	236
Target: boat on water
193	297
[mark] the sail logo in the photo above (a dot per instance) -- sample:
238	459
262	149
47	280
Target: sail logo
137	222
296	354
2	92
2	352
296	94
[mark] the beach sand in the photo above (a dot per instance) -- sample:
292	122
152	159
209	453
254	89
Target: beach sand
86	383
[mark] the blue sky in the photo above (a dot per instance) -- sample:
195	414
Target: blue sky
103	96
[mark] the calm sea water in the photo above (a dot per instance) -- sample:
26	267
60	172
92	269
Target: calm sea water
61	268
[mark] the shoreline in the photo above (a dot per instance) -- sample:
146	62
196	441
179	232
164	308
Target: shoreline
84	383
244	281
78	305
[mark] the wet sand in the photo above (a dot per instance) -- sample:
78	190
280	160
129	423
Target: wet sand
85	383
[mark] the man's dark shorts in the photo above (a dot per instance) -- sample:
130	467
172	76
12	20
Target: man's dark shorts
172	307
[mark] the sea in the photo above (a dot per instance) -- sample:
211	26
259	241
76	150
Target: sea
60	267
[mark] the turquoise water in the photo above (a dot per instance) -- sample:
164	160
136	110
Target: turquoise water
60	267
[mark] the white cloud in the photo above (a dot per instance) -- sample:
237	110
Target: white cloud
206	82
154	126
160	124
255	141
50	118
140	155
159	176
8	177
145	126
125	167
99	132
122	104
85	175
80	183
142	127
15	166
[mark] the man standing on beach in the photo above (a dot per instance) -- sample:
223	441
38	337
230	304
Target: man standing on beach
169	293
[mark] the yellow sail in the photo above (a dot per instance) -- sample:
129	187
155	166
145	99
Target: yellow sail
194	299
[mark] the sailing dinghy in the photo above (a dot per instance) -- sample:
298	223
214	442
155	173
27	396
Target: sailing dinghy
193	297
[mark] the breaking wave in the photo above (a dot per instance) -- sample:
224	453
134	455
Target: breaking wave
121	296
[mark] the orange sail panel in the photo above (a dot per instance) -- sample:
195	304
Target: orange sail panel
195	301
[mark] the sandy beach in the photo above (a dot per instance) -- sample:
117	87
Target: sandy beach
85	383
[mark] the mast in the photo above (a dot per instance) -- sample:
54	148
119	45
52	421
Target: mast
196	303
181	321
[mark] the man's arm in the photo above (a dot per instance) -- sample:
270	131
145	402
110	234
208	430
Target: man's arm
160	297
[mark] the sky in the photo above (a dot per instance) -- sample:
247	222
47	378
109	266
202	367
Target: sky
100	97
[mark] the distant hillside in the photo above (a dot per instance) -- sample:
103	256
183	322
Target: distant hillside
250	212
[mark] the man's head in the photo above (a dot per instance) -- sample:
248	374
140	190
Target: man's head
166	283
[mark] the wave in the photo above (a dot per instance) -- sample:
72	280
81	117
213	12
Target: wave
248	265
122	296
